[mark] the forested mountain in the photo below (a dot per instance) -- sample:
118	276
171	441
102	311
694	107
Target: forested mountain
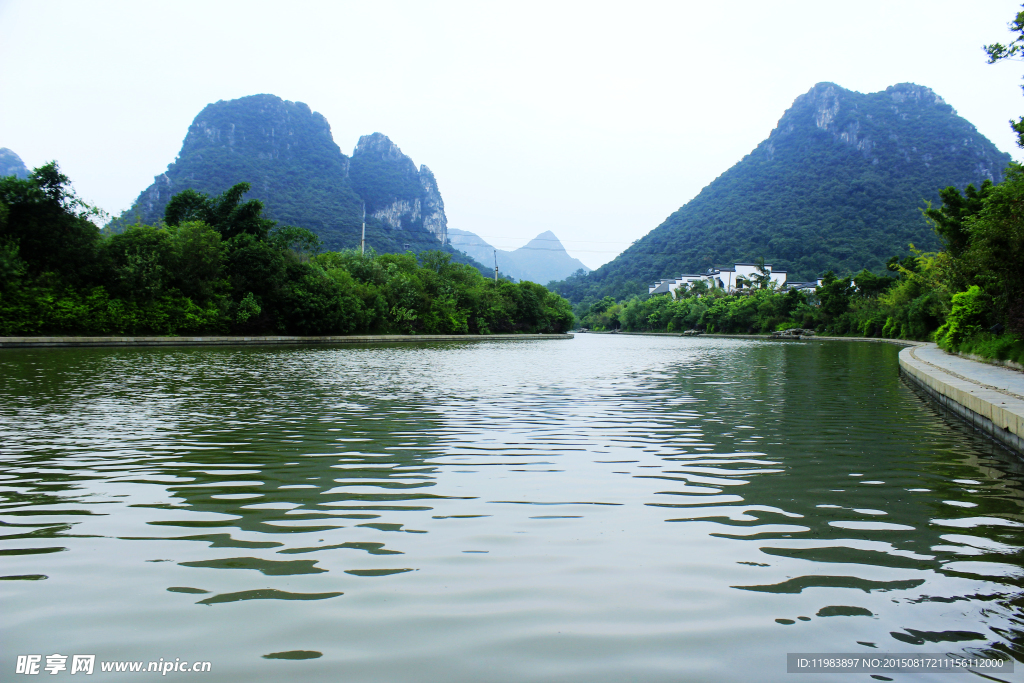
286	152
838	185
541	260
11	164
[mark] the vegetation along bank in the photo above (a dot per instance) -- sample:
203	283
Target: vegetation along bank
215	265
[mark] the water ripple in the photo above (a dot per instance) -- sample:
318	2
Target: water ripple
610	508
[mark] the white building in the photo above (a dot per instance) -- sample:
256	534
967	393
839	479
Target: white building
737	278
747	271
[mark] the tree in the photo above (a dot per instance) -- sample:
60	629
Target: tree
49	224
140	258
948	220
908	263
996	252
870	285
834	295
299	240
762	279
997	52
226	212
197	260
603	305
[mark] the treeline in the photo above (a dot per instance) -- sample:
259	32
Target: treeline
968	296
216	265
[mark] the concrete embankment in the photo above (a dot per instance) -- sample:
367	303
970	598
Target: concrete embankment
37	342
989	397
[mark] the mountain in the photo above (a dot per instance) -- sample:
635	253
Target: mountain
541	260
287	153
11	164
838	185
395	192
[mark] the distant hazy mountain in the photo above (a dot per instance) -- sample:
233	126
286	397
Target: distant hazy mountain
11	164
542	260
287	153
838	185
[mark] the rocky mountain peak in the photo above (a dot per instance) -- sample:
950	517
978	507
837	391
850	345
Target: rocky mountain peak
381	147
265	126
903	92
887	128
11	164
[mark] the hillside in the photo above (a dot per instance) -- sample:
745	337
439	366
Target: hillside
838	185
286	151
541	260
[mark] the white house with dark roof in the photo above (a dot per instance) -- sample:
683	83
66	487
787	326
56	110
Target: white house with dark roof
806	287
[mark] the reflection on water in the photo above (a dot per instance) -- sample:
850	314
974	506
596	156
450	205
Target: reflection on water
601	509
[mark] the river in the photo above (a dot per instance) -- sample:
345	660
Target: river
607	508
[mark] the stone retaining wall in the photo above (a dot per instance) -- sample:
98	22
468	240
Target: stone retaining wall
992	411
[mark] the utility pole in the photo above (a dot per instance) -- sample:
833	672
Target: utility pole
362	242
495	266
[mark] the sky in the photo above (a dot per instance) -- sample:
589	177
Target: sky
593	120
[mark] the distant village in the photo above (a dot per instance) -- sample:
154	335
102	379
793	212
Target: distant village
742	276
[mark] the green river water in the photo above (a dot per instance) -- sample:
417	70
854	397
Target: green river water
607	508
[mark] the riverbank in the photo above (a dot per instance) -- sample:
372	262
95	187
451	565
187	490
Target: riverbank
39	342
989	397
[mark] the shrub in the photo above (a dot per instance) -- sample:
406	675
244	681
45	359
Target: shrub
966	319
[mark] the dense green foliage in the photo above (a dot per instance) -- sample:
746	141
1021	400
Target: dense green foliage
217	265
838	185
286	153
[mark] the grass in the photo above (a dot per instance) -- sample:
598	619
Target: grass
997	347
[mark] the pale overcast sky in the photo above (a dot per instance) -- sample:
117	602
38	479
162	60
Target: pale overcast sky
593	120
